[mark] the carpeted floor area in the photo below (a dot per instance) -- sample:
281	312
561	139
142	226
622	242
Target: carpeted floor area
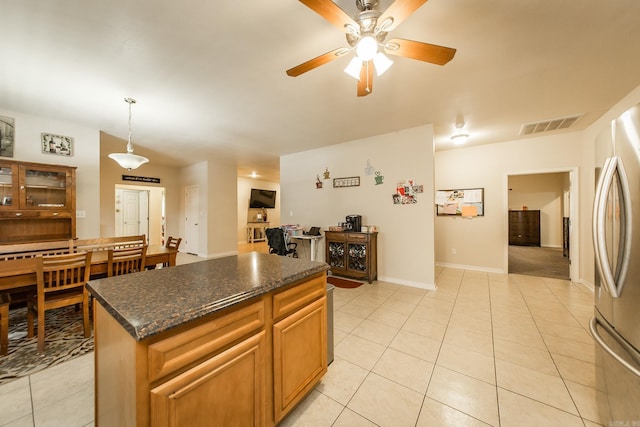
538	261
64	341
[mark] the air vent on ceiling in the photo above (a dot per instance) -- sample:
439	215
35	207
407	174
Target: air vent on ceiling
549	125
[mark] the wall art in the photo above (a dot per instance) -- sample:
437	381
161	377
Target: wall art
7	136
57	144
352	181
406	192
465	202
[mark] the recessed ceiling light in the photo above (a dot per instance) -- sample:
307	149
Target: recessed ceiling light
460	138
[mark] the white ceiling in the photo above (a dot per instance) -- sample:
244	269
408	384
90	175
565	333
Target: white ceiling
209	76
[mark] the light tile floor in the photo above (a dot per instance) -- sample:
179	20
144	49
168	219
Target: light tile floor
484	349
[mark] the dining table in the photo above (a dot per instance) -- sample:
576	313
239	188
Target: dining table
20	273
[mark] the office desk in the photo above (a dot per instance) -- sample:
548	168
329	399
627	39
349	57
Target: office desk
19	273
313	240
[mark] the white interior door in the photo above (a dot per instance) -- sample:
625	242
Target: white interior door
135	213
130	213
192	218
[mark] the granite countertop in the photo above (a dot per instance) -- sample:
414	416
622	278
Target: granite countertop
153	301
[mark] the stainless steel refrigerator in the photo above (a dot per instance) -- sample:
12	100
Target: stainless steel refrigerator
616	238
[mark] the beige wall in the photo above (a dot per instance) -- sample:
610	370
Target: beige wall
86	148
245	214
481	243
217	186
543	192
111	176
405	240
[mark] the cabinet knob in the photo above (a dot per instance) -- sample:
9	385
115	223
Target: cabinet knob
18	213
22	187
55	214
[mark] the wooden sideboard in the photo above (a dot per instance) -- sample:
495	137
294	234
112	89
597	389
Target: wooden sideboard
524	228
37	202
352	254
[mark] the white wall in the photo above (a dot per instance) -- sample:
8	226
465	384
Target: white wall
481	242
245	214
405	240
86	156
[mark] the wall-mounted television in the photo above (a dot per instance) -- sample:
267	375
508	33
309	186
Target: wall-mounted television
262	199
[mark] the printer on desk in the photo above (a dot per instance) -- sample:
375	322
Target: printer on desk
313	231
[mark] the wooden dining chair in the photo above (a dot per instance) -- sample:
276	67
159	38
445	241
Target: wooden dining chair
172	243
4	323
61	281
126	260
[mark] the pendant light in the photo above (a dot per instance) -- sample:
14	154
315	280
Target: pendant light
129	160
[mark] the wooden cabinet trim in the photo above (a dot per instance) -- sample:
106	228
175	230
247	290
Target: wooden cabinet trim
178	351
290	300
165	399
299	357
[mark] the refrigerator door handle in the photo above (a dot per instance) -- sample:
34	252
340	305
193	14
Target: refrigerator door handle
611	166
594	333
599	218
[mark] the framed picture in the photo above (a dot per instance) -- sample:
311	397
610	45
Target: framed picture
352	181
57	144
7	131
465	202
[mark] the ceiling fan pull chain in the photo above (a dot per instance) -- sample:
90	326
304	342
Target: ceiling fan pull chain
368	87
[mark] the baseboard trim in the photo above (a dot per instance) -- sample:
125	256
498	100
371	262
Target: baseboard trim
471	267
420	285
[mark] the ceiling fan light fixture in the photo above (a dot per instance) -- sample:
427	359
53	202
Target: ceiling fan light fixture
382	63
353	69
129	160
367	48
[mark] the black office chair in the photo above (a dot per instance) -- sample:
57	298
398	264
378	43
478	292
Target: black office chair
279	243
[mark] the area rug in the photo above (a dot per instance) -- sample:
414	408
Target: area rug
339	282
64	340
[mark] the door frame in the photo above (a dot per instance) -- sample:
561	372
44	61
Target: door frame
574	238
156	221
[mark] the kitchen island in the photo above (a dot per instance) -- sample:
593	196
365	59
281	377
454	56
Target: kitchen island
238	340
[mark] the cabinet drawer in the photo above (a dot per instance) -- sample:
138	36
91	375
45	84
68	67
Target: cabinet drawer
334	236
55	214
353	237
294	298
13	214
178	351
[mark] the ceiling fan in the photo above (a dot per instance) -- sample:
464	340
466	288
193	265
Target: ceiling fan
366	33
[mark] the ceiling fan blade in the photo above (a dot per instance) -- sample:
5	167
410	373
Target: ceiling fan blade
365	84
316	62
426	52
331	12
399	11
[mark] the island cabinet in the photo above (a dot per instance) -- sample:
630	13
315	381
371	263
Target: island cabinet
352	254
37	202
247	365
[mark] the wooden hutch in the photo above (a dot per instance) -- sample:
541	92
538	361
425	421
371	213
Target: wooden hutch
37	202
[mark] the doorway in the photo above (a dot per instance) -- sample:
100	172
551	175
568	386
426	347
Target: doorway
140	210
192	215
541	211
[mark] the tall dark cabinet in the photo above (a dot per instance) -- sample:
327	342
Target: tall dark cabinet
352	254
524	228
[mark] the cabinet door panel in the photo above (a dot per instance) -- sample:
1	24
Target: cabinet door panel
299	355
227	390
